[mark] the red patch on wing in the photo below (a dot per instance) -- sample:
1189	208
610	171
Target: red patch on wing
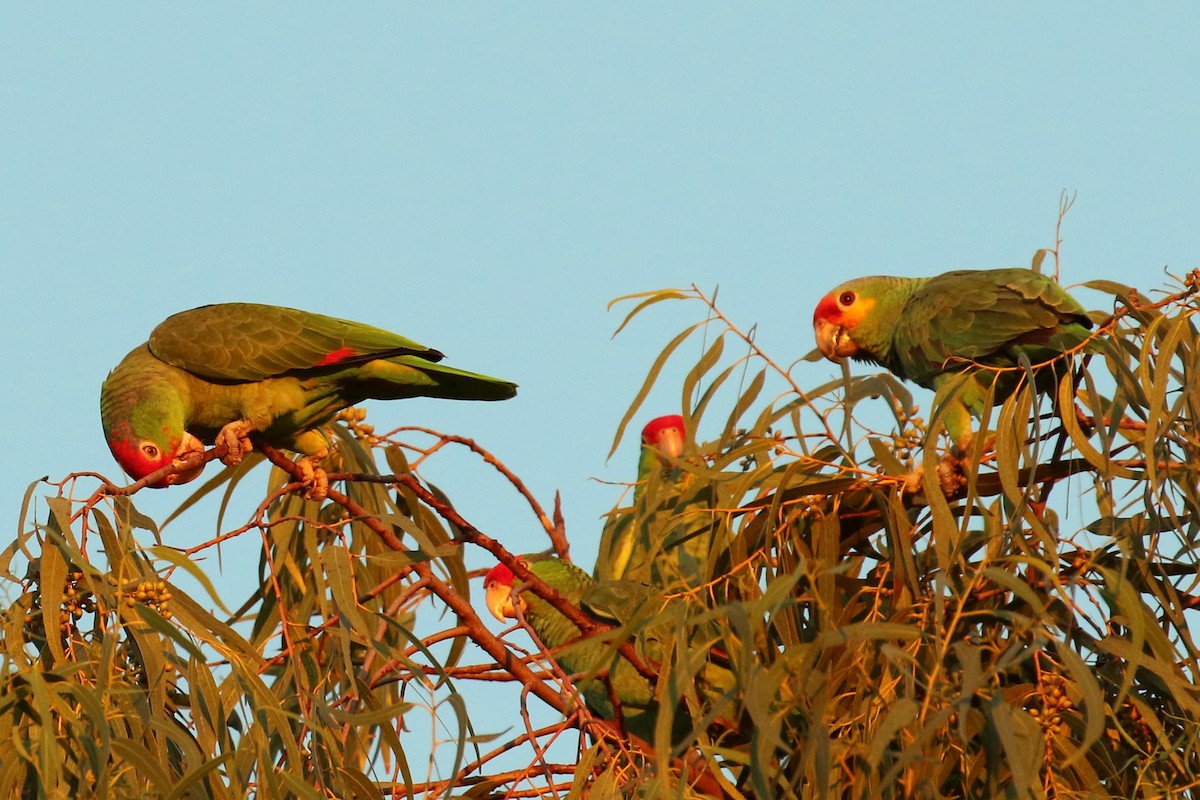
341	354
499	574
656	426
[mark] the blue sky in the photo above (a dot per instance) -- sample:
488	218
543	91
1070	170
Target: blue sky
485	178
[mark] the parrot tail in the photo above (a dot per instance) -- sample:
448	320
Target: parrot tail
412	376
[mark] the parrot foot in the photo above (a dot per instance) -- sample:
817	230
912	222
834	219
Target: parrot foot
314	478
235	436
951	475
953	469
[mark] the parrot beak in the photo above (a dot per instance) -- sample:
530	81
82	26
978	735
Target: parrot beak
833	340
670	443
499	600
189	446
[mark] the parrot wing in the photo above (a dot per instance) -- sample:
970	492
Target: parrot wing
985	316
252	342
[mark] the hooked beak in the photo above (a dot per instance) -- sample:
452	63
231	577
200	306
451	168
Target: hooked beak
670	443
499	600
188	446
833	340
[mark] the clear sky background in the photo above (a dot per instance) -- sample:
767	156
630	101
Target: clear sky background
484	178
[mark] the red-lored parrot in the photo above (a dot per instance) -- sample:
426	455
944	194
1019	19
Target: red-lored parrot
663	539
233	372
676	508
662	442
614	602
969	325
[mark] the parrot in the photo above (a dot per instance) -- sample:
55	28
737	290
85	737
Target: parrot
662	440
664	539
954	326
231	373
615	602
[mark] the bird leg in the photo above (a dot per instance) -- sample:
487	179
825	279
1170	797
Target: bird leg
953	466
951	476
314	477
235	436
952	471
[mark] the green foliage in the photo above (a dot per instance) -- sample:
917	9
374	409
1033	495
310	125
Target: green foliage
887	621
117	678
903	623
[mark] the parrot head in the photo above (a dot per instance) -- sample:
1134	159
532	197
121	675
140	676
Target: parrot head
498	597
838	316
140	457
665	435
144	439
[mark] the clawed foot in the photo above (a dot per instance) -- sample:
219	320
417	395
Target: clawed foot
315	478
950	474
236	438
952	477
951	469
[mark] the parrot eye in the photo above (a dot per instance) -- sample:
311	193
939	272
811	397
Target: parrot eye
150	451
846	299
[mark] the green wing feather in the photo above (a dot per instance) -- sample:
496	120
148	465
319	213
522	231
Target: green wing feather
988	316
588	657
630	605
623	545
665	537
252	342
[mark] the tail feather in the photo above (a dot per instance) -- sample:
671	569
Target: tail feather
412	376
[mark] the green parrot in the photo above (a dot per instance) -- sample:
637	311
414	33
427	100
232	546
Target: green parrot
664	538
615	602
662	441
233	372
961	325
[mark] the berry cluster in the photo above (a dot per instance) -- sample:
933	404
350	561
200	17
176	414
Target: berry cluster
353	417
153	593
1135	725
1054	705
76	600
912	430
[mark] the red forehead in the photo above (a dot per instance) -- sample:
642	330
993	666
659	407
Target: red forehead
126	453
499	574
828	308
656	426
129	455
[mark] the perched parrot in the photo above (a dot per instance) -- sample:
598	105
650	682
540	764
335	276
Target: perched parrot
614	602
234	372
664	538
933	330
662	440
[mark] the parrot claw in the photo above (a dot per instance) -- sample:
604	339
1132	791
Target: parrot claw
951	475
236	438
314	478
